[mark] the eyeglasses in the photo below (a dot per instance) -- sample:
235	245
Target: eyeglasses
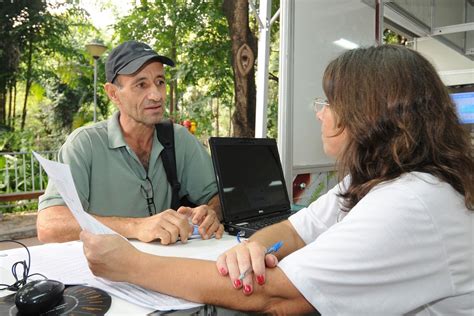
147	192
319	104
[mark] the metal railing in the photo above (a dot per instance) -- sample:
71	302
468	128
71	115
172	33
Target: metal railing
21	177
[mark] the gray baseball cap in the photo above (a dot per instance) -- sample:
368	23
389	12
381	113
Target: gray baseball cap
129	57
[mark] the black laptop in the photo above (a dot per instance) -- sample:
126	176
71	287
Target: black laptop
251	183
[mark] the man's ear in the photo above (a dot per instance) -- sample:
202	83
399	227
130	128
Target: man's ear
111	91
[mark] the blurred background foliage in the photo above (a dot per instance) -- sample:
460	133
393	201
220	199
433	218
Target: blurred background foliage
46	74
46	79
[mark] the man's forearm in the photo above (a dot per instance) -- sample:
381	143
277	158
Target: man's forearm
57	224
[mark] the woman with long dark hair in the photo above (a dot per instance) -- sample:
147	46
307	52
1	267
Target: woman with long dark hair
395	236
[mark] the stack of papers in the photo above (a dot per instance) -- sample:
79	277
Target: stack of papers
66	262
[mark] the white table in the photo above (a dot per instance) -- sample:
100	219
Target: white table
196	248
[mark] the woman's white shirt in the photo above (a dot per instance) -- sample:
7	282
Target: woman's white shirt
406	248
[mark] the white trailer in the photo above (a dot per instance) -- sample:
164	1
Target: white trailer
312	32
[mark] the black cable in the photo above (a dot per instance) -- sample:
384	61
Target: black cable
19	282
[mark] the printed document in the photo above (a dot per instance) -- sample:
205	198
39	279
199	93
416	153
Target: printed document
60	175
66	262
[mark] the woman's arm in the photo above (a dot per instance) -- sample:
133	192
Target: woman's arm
283	231
113	258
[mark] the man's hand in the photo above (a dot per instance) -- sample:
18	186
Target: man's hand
166	226
206	218
109	256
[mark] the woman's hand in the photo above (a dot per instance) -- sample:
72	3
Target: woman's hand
247	258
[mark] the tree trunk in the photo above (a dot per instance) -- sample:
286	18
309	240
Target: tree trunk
171	94
230	122
173	87
10	105
3	101
244	53
28	83
217	117
14	106
173	84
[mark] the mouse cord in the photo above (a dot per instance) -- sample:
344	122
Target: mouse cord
19	282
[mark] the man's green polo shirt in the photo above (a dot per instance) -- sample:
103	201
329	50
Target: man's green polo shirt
110	178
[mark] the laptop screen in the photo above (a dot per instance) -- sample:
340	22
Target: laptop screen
249	177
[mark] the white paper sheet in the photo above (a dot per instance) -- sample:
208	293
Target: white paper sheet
73	268
67	263
60	175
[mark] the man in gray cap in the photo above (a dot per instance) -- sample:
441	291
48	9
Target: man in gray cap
117	166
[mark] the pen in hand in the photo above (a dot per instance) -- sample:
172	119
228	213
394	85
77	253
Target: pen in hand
274	248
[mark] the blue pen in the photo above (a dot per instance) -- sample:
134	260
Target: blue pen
195	230
274	248
195	233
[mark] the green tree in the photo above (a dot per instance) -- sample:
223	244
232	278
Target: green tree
204	38
52	63
12	15
244	54
194	34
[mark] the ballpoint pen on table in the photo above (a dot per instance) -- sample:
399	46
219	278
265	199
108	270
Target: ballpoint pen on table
274	248
195	230
195	233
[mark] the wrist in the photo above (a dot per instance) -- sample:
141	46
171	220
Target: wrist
133	227
140	261
135	267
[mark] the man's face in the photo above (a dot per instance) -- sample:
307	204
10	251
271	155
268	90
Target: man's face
141	97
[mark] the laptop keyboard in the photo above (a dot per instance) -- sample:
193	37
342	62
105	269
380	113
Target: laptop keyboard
267	221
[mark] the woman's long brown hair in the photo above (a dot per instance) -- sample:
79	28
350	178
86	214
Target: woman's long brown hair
399	118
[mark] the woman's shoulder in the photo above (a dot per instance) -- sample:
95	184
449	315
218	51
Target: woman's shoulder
415	183
418	190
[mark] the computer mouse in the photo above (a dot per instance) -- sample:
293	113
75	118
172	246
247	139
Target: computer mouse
38	296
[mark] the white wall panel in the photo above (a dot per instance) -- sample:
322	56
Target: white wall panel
317	24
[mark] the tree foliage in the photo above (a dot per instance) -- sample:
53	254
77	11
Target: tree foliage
194	34
46	84
14	17
44	48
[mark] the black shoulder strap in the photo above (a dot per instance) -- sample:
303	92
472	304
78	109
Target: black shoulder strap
165	134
